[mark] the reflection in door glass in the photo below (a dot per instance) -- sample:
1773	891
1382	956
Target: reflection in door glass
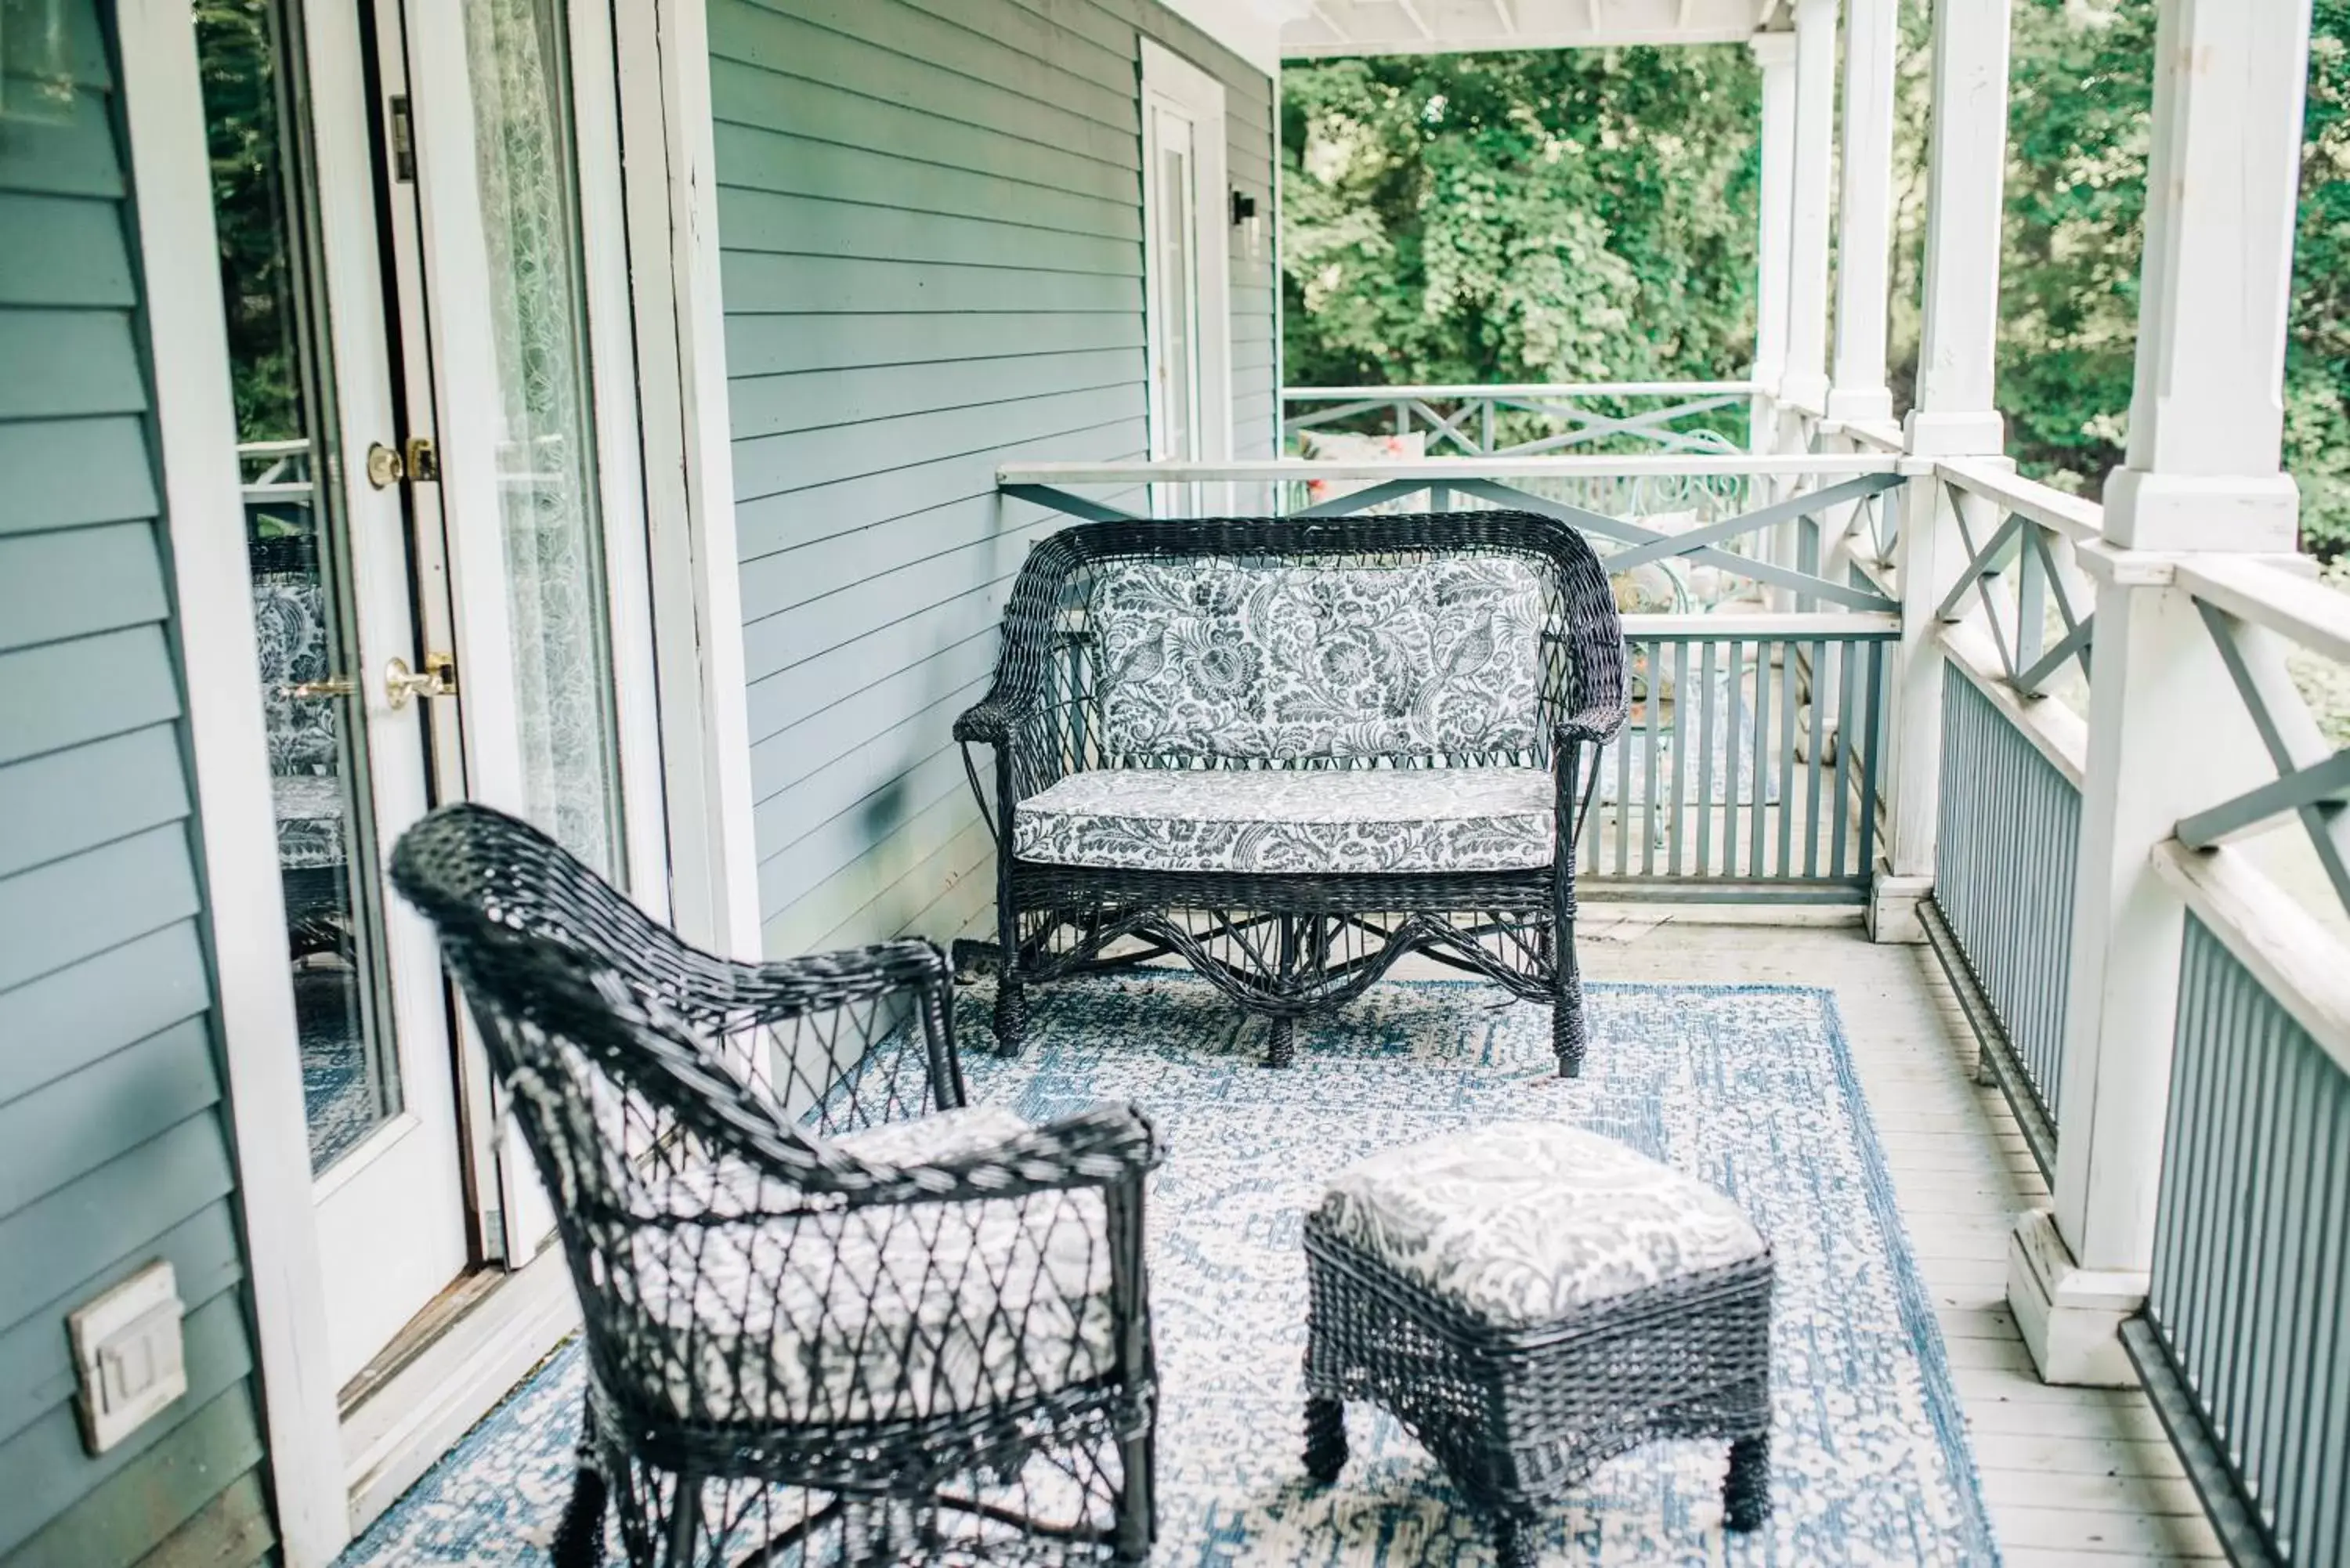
295	538
520	76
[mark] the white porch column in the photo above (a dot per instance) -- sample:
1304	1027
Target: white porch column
1812	201
2167	732
1872	29
1775	53
1966	186
1954	416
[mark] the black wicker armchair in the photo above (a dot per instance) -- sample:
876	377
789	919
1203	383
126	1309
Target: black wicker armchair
821	1324
1292	750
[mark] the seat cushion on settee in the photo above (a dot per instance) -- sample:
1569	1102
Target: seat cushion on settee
1292	820
1210	659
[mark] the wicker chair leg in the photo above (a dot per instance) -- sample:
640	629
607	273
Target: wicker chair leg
1746	1489
1137	1500
1281	1049
1568	1035
685	1522
1011	1016
579	1538
1325	1439
1514	1544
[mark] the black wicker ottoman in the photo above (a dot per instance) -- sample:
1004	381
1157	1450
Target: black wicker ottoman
1530	1300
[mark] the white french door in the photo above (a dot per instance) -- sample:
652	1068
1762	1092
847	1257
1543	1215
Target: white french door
312	350
541	538
1186	269
434	377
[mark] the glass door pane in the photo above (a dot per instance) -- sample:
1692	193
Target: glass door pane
519	71
297	546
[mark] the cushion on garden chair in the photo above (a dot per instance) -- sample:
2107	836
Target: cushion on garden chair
881	1312
1208	658
1292	819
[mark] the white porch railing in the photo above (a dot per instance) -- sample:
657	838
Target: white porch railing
1751	769
1532	419
1769	788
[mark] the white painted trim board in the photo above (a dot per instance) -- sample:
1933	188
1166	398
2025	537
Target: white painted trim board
236	827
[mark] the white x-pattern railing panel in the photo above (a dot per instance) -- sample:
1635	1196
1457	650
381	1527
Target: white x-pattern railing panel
2022	578
2248	606
1523	419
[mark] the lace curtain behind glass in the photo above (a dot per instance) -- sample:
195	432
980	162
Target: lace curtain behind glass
545	452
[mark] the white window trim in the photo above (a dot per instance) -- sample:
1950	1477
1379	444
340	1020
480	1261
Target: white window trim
1176	81
235	827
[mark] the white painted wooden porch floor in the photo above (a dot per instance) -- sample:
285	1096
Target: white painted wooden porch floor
2072	1475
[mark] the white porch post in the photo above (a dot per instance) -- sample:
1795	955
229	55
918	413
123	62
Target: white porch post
1804	380
1954	417
1775	53
1865	214
2202	476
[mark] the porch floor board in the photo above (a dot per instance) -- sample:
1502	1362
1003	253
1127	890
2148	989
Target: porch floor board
2071	1474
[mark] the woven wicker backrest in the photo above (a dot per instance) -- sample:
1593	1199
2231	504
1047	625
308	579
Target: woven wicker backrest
655	1082
1207	657
1075	662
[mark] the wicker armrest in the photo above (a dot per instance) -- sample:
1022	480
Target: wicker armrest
1106	1145
991	720
784	988
1596	726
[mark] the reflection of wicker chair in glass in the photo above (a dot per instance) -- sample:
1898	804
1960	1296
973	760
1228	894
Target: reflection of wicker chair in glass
305	763
815	1318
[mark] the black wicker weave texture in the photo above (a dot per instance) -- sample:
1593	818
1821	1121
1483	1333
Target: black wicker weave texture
816	1317
1518	1417
1286	945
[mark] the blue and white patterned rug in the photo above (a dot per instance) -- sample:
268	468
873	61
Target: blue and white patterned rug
1751	1088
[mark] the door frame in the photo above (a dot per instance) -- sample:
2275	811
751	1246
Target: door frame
237	828
682	441
1182	86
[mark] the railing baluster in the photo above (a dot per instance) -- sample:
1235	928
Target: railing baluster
1730	760
1758	826
1842	660
1649	826
1705	763
1681	749
1878	653
1786	757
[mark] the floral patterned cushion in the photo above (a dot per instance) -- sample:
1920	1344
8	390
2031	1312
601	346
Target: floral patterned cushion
309	819
884	1312
1219	660
1291	819
1524	1223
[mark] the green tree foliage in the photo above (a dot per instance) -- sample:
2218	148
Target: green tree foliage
1557	216
237	51
1581	215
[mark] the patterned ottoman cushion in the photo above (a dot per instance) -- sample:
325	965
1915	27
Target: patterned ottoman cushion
1318	820
1524	1223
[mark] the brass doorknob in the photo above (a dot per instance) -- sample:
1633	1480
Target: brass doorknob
401	684
333	686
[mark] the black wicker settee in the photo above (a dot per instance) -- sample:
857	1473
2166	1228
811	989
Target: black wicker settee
821	1324
1291	751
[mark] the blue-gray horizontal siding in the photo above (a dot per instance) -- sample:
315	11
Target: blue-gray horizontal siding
931	214
113	1144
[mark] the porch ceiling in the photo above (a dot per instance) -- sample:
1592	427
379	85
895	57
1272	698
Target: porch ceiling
1444	27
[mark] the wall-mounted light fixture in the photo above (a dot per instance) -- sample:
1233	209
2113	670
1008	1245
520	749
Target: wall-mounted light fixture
1244	218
